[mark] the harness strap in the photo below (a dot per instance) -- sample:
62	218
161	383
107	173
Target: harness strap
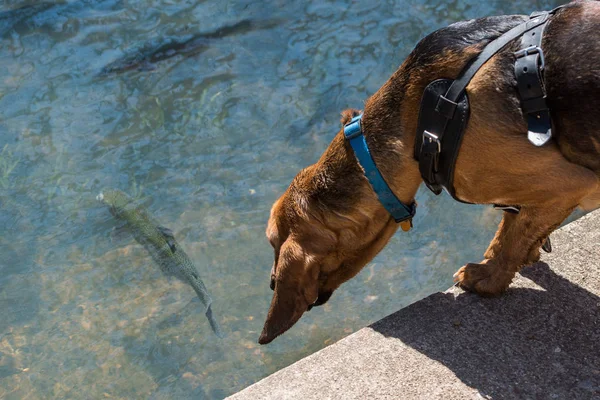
529	68
437	155
436	162
459	85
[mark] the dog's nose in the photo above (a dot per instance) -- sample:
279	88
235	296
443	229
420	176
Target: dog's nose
272	285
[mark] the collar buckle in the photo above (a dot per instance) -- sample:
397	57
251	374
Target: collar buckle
353	128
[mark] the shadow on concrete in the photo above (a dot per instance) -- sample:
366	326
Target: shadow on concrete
529	343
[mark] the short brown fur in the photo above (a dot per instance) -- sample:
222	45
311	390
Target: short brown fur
329	224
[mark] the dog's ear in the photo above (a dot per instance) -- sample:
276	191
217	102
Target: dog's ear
296	286
348	114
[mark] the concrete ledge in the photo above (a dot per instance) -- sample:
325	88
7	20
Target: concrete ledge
540	340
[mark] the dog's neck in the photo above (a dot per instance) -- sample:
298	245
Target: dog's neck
391	114
389	123
389	127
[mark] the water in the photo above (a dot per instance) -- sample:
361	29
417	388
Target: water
209	141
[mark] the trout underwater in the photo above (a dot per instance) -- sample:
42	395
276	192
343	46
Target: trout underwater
149	55
160	243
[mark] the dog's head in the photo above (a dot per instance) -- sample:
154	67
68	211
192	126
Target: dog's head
324	229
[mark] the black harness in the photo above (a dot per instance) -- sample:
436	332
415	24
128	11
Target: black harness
444	109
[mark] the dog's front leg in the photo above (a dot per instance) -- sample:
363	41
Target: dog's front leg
519	237
517	243
504	230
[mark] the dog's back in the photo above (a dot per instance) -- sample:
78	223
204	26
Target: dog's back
572	75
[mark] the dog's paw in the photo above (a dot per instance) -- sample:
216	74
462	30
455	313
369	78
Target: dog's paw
484	279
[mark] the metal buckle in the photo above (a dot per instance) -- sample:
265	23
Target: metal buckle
432	138
353	128
532	50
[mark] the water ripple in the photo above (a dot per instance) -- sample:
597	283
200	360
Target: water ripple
208	141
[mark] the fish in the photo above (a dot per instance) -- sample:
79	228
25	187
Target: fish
160	243
148	55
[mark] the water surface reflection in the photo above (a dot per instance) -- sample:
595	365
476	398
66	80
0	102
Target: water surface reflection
210	139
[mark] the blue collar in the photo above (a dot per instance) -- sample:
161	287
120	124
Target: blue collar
354	134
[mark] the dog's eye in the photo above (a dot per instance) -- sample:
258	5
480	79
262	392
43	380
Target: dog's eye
272	285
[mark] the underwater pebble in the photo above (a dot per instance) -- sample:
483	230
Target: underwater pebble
249	345
370	299
87	325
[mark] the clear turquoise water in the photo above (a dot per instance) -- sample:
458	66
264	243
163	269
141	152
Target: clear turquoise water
209	141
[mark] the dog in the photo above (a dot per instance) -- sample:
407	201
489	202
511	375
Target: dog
329	222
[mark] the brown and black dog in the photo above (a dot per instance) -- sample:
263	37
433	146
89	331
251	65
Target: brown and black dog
329	223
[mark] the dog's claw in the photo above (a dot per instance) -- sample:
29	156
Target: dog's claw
456	278
547	246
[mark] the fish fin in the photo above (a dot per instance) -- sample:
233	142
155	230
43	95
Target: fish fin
120	234
168	235
166	231
171	244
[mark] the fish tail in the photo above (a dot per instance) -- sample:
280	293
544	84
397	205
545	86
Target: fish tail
201	291
214	324
204	297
